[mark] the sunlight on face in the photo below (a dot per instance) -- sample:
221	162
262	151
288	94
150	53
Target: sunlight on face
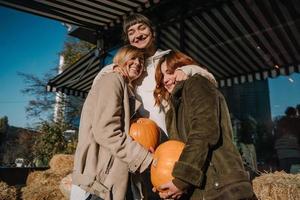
168	78
134	67
140	36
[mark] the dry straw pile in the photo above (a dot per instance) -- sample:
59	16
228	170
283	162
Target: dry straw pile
61	163
44	185
277	186
7	192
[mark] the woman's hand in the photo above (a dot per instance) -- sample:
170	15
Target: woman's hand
180	75
169	191
120	70
151	150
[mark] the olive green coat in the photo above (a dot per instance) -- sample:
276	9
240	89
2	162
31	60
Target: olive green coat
210	166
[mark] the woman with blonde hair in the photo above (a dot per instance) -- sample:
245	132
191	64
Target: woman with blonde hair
106	155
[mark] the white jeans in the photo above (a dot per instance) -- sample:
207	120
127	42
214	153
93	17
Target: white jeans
78	194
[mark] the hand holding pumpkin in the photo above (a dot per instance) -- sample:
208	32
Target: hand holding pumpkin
146	132
169	190
164	159
151	150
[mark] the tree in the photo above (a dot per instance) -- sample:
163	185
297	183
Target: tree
43	101
52	141
3	125
73	50
41	107
17	143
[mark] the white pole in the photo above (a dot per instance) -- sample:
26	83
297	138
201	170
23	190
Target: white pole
59	99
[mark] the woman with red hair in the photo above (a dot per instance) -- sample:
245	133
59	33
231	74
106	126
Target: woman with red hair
210	166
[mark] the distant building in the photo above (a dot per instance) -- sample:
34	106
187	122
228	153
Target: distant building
249	99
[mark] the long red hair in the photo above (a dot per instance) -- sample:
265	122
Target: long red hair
174	60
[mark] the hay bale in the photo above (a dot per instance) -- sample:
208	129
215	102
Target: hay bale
34	177
7	192
65	186
277	186
62	164
43	185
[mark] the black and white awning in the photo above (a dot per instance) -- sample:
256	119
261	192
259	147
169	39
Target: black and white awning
240	41
77	79
237	40
91	14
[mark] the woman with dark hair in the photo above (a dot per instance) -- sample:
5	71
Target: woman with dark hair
210	166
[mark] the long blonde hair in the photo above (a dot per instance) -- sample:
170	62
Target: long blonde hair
126	53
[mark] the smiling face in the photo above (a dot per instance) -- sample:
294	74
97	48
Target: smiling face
134	67
130	61
140	36
168	77
165	74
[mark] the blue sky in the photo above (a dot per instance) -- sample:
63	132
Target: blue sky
31	44
284	92
28	44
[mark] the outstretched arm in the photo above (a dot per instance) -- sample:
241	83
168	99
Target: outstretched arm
190	70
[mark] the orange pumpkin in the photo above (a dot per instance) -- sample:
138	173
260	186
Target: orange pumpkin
146	132
164	159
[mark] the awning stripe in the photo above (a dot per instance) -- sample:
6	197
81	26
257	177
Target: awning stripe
95	15
238	41
73	10
272	73
197	44
241	47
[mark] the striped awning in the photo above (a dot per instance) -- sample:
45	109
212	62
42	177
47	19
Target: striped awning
77	79
91	14
237	40
240	41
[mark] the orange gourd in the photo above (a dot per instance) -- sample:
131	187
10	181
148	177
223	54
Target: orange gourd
146	132
164	159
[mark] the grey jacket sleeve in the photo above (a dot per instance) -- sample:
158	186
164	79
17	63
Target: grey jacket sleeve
191	70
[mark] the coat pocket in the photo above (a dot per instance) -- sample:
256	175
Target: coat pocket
101	190
109	164
105	162
101	186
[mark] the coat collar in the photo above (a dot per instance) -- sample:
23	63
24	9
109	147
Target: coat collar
177	93
134	103
171	115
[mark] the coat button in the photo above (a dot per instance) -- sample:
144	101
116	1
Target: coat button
216	184
210	164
